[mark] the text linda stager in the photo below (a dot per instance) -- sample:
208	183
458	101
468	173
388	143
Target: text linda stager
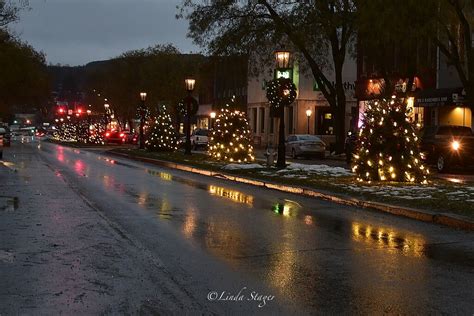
241	296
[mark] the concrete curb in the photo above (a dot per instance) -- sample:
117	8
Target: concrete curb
451	220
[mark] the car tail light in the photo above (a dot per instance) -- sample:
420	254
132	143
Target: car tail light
122	135
107	134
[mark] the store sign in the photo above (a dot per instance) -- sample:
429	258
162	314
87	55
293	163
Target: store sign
284	73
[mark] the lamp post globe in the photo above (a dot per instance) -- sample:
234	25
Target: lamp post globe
282	58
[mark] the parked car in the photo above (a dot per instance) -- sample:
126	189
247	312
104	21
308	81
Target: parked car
199	138
115	137
305	145
130	138
5	132
447	145
1	144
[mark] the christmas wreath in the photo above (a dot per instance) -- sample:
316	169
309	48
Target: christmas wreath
183	106
281	92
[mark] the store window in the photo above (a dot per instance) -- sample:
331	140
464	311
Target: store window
262	120
324	125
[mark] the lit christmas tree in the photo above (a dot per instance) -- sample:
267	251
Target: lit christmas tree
231	139
97	130
162	136
388	145
82	131
66	132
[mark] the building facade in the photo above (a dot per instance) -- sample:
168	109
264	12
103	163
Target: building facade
310	113
437	95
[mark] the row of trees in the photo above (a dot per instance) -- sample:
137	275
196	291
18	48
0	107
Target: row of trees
325	32
24	82
158	70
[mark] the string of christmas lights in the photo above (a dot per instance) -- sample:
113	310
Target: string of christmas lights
162	136
388	145
280	92
231	138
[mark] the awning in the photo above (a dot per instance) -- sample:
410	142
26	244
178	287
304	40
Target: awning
204	110
438	97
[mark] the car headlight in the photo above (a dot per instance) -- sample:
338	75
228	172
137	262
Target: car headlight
455	145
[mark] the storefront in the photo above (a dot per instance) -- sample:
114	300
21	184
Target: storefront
444	107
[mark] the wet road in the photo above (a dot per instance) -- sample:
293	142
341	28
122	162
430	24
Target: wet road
157	240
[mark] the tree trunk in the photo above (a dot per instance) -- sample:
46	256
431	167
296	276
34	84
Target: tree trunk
339	110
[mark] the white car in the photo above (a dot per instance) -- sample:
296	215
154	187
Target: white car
305	145
200	138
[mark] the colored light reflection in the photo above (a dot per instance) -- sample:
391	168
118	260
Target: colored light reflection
289	208
79	167
60	154
233	195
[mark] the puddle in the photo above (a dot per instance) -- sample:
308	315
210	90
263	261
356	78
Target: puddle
8	203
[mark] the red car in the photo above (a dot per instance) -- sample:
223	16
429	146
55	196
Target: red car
123	137
115	137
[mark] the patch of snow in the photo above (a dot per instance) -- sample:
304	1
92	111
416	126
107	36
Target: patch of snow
235	166
316	169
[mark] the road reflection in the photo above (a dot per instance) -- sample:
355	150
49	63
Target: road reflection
232	195
387	238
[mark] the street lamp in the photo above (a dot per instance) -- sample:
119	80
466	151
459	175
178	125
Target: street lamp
106	116
189	85
308	115
142	119
213	116
282	59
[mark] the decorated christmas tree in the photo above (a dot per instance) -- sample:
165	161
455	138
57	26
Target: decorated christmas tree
231	139
66	132
162	136
388	145
82	131
97	130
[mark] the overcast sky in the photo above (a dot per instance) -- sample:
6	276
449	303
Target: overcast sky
76	32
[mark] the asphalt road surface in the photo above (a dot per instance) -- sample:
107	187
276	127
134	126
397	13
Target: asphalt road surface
86	233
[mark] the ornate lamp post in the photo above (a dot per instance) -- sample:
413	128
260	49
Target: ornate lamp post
188	108
281	92
142	110
308	115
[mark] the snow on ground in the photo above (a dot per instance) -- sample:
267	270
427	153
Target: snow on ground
314	170
414	192
235	166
